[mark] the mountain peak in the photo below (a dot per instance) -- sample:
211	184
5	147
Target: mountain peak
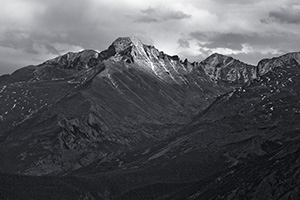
266	65
217	58
123	43
227	69
124	48
81	60
219	55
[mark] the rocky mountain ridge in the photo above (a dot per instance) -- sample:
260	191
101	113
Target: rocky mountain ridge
88	104
226	69
243	146
132	122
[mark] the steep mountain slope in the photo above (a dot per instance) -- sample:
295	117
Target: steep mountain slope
134	123
80	107
243	146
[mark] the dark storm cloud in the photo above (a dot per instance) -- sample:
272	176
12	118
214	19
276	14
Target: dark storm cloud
235	41
289	15
183	43
224	40
159	15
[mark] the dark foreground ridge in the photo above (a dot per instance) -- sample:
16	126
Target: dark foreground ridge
132	122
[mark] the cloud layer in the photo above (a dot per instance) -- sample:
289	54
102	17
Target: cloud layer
290	15
32	31
150	15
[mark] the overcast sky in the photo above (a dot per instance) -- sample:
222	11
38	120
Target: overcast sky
32	31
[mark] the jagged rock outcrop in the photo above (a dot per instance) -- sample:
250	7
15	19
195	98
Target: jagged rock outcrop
77	61
225	69
265	65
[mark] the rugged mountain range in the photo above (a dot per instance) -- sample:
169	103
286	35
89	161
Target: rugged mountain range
132	122
81	107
